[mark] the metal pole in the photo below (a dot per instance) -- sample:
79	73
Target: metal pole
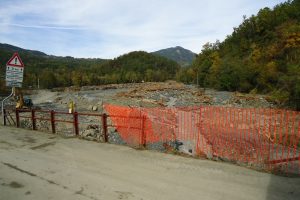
104	126
33	120
4	117
75	115
2	108
52	121
17	118
143	118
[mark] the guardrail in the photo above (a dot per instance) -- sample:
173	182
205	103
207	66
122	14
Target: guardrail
53	117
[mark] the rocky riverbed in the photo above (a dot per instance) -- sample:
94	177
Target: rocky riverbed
167	94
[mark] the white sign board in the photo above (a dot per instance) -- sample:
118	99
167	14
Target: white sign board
14	71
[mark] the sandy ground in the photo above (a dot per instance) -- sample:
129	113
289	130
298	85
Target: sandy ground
35	165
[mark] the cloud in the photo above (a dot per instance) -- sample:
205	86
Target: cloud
44	27
104	28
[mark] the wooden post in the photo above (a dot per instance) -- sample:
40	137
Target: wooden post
75	116
33	120
52	121
104	126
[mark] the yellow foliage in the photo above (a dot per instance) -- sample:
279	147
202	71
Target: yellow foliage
256	53
271	70
216	62
293	40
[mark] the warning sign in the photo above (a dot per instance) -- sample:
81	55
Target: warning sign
14	71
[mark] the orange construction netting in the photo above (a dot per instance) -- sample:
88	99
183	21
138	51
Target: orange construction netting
267	137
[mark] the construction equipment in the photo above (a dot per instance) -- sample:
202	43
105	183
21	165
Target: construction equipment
22	102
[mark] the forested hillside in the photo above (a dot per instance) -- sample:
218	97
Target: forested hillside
261	55
53	71
135	67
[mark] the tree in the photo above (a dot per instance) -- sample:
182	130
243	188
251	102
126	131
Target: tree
262	53
77	78
48	79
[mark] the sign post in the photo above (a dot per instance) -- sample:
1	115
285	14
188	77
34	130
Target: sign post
14	76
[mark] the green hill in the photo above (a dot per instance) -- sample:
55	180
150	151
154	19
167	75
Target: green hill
261	55
183	57
11	48
137	66
51	71
54	71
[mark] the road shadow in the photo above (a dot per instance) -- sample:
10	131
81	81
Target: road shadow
284	187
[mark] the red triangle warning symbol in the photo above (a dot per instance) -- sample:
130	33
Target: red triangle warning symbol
15	61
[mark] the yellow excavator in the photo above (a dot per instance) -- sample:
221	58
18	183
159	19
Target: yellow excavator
22	103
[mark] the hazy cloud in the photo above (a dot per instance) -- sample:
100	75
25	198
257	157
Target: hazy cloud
105	28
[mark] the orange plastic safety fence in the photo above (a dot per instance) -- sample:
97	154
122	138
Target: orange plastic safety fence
266	138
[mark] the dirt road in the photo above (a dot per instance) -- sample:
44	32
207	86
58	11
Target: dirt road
35	165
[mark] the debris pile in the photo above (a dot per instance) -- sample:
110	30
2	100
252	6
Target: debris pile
92	132
167	94
248	100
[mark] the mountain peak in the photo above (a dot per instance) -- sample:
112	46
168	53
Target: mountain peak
182	56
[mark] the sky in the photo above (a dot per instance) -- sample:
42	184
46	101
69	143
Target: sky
110	28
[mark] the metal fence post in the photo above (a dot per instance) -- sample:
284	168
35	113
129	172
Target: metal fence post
75	115
143	131
104	126
4	117
17	118
33	119
52	121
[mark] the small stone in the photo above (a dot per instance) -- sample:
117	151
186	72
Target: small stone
90	132
95	108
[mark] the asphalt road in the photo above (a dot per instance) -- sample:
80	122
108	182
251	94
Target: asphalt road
36	165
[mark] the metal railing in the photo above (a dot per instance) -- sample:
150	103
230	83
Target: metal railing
51	116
